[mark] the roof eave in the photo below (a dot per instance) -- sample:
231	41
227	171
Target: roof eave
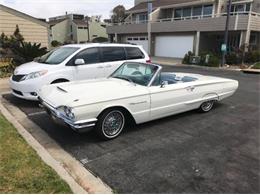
23	15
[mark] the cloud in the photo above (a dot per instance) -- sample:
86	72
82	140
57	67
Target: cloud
51	8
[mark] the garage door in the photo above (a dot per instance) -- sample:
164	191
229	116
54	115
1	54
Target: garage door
173	46
143	41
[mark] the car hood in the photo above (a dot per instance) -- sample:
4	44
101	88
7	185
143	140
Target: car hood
80	93
31	67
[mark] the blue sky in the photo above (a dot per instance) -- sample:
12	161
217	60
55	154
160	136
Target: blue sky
50	8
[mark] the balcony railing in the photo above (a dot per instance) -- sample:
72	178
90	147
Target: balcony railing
187	18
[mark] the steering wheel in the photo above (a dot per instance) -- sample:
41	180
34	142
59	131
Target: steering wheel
137	73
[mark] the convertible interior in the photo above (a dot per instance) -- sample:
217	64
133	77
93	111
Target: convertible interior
165	77
171	78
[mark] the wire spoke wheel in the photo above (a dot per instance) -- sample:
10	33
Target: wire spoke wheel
207	106
113	124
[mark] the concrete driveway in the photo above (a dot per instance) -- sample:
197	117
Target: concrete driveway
217	152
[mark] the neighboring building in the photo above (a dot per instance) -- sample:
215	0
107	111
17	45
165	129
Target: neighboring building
33	30
76	28
179	26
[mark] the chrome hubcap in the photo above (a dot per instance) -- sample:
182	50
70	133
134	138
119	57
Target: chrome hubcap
207	106
113	123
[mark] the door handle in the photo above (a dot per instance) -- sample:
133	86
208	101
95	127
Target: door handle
109	66
100	67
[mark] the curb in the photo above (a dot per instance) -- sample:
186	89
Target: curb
80	180
251	71
196	66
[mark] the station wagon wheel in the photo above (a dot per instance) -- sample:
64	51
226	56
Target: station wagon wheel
206	106
110	124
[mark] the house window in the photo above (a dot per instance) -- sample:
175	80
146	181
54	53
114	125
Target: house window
186	12
207	10
142	18
178	14
248	7
253	39
167	13
80	27
197	11
129	38
240	8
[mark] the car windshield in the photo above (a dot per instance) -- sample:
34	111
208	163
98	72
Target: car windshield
56	56
137	73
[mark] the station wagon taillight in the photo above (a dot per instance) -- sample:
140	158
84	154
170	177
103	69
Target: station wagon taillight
149	60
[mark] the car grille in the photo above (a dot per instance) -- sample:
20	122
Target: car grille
18	92
17	78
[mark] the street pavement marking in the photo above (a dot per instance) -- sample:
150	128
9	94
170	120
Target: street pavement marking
84	161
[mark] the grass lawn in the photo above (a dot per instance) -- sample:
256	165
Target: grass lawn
21	169
257	66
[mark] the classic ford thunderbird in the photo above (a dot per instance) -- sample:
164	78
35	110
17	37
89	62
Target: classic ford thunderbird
134	92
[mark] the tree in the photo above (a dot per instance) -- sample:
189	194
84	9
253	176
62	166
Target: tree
4	41
17	35
118	14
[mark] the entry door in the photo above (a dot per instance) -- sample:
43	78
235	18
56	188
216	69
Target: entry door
170	99
173	46
93	67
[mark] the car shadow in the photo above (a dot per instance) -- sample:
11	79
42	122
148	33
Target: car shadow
65	135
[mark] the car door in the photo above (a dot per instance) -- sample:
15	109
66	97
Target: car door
170	99
112	58
92	68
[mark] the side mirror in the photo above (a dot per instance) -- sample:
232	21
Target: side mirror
164	83
79	62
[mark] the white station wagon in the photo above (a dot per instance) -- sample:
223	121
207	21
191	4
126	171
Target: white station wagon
71	63
135	91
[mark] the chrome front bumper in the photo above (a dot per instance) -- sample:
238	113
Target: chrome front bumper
58	117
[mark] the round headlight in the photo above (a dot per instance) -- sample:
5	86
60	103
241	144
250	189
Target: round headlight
69	112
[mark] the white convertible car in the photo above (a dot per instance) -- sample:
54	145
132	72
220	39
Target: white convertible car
134	92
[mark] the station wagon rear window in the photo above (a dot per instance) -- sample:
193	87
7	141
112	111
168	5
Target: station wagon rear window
134	53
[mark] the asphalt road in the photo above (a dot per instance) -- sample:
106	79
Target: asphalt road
217	152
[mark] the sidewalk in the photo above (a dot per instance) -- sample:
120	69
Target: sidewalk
178	62
166	61
4	85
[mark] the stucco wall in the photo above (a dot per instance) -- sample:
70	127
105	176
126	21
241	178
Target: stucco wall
95	28
74	31
256	6
31	31
60	32
82	35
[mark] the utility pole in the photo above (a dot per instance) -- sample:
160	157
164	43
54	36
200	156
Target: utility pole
87	19
224	46
149	11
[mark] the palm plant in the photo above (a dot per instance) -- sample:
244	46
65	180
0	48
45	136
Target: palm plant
27	51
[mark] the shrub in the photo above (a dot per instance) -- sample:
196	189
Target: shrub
27	51
186	59
100	40
213	59
252	56
257	65
234	58
55	43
